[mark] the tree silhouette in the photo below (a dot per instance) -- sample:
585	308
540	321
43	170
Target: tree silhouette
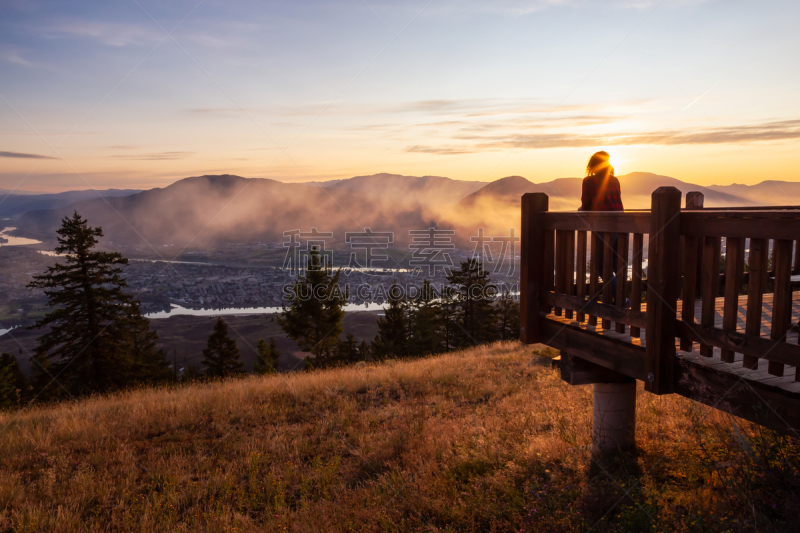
392	337
475	294
98	339
221	356
267	357
313	318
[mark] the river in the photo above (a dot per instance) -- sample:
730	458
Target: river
179	310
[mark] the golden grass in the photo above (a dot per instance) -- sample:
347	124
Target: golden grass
488	439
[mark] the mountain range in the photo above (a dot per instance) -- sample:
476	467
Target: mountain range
208	211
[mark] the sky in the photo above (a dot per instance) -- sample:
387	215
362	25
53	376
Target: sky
139	93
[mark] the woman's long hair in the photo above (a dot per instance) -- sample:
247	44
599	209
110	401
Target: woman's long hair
599	163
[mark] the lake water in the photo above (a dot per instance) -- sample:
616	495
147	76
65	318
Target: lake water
178	310
15	241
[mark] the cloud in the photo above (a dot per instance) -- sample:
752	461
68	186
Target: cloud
156	156
766	132
21	155
442	150
110	33
14	57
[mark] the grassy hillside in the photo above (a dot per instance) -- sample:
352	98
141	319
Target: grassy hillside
484	440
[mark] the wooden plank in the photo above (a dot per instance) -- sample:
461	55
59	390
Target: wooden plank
743	343
756	282
549	262
782	299
577	371
593	292
746	224
561	260
622	276
614	354
580	271
613	221
608	265
663	287
608	312
761	403
689	286
636	278
569	269
709	287
532	274
734	271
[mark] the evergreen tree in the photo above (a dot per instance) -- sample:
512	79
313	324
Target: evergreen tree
314	315
191	374
221	356
392	338
98	339
475	294
148	363
363	351
425	335
348	352
267	357
507	317
12	382
447	318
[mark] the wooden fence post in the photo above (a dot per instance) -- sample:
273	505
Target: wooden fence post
532	268
663	286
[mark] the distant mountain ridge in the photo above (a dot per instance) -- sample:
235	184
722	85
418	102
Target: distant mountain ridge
209	210
13	203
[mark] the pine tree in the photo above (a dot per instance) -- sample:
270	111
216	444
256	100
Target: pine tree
148	363
267	357
348	352
475	295
392	338
364	351
425	335
447	312
313	318
98	339
221	356
191	374
12	382
507	317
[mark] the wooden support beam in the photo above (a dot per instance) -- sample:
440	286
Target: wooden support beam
577	371
532	275
758	402
614	354
663	287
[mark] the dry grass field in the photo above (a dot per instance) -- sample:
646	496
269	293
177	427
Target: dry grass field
488	439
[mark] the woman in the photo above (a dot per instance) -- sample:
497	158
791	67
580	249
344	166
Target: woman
601	192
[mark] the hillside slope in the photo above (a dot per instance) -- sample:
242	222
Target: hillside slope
484	440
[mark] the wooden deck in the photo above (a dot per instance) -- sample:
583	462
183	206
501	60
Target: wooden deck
786	382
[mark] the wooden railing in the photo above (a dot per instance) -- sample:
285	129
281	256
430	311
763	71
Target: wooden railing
668	261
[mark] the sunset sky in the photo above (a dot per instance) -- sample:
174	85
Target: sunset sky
137	94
